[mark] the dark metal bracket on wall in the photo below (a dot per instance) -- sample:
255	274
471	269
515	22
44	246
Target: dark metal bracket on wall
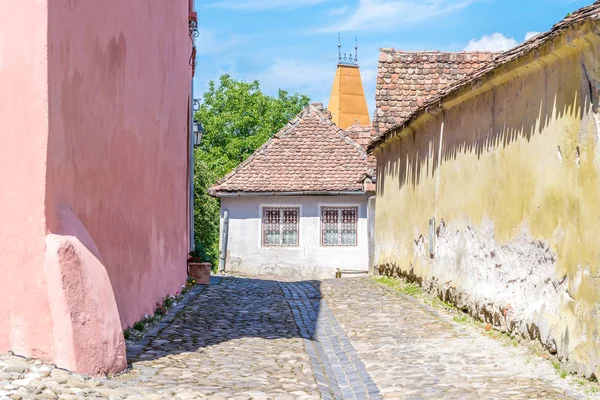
194	33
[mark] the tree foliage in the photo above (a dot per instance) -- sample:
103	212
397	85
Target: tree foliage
237	118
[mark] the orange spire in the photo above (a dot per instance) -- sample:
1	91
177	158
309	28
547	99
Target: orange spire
347	103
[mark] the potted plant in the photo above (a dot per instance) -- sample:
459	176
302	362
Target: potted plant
198	265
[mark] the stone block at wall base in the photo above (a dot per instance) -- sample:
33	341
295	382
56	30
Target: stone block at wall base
87	332
200	272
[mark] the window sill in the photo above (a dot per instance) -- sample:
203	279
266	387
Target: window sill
281	248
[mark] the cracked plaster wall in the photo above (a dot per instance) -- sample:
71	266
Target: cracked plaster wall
511	173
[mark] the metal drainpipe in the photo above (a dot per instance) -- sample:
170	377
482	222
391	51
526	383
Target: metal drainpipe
191	130
191	210
224	240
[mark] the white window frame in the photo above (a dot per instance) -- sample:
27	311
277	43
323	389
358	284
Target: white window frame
339	208
262	208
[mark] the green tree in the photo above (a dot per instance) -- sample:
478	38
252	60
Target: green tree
237	118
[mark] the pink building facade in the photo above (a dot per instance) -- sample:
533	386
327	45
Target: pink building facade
94	182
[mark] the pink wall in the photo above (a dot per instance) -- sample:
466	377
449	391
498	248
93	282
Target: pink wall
119	83
93	170
23	140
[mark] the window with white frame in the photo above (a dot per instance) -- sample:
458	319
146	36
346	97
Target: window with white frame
339	226
280	227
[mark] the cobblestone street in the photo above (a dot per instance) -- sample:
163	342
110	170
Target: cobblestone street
336	339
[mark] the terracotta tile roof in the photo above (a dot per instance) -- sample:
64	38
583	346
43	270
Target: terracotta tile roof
406	79
580	16
310	154
363	135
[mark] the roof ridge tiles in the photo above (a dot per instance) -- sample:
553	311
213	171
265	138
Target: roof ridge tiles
391	50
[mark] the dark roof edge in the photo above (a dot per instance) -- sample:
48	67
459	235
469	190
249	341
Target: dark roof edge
390	50
217	193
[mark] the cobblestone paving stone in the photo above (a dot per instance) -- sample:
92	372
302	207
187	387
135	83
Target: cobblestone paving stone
339	371
236	340
261	339
411	353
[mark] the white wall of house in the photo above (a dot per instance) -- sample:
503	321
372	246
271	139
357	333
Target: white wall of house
310	260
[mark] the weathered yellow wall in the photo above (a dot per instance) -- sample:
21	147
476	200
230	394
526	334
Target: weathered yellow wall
516	183
348	103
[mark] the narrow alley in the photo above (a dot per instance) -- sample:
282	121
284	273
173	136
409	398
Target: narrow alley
263	339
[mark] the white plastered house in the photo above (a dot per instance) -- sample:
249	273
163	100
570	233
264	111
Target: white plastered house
299	206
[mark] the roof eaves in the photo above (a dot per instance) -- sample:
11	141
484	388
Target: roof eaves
289	193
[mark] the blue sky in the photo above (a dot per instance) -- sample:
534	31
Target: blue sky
292	44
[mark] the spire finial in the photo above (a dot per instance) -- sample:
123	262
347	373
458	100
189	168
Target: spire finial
347	59
339	49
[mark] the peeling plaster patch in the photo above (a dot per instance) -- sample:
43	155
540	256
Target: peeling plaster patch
594	87
524	266
513	285
594	91
592	97
419	246
597	120
583	274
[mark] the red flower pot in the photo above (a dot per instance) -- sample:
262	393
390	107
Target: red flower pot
200	271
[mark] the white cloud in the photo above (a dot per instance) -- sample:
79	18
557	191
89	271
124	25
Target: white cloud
494	42
334	12
264	4
294	75
377	15
529	35
207	42
368	76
